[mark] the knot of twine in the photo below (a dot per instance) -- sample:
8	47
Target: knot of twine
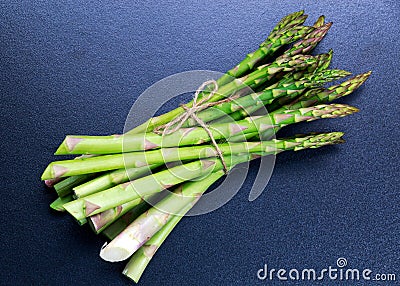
190	112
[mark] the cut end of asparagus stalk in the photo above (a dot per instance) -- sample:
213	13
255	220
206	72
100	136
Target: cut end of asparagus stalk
68	145
53	171
114	254
51	182
59	202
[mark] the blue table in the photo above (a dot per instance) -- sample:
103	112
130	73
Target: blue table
76	67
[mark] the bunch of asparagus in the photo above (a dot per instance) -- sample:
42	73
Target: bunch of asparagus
134	188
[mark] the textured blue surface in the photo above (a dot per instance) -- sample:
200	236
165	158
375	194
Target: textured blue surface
77	66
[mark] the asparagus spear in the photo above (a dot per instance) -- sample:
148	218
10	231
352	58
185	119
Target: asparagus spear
120	194
183	137
141	258
118	225
59	202
111	179
316	96
309	42
291	20
50	183
64	187
270	46
102	220
159	156
284	88
320	22
323	62
319	96
146	225
148	141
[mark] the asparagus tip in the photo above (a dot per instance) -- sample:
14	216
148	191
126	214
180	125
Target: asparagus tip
340	141
320	21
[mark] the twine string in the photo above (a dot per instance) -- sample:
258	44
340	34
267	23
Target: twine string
190	112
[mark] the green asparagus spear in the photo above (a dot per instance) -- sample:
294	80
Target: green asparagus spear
309	42
121	194
320	96
102	220
146	225
118	225
111	179
64	187
320	22
141	258
148	141
255	101
313	97
291	20
141	159
59	202
50	183
230	87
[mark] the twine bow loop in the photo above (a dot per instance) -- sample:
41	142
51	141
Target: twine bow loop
190	112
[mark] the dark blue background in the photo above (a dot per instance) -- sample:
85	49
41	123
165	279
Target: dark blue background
76	67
